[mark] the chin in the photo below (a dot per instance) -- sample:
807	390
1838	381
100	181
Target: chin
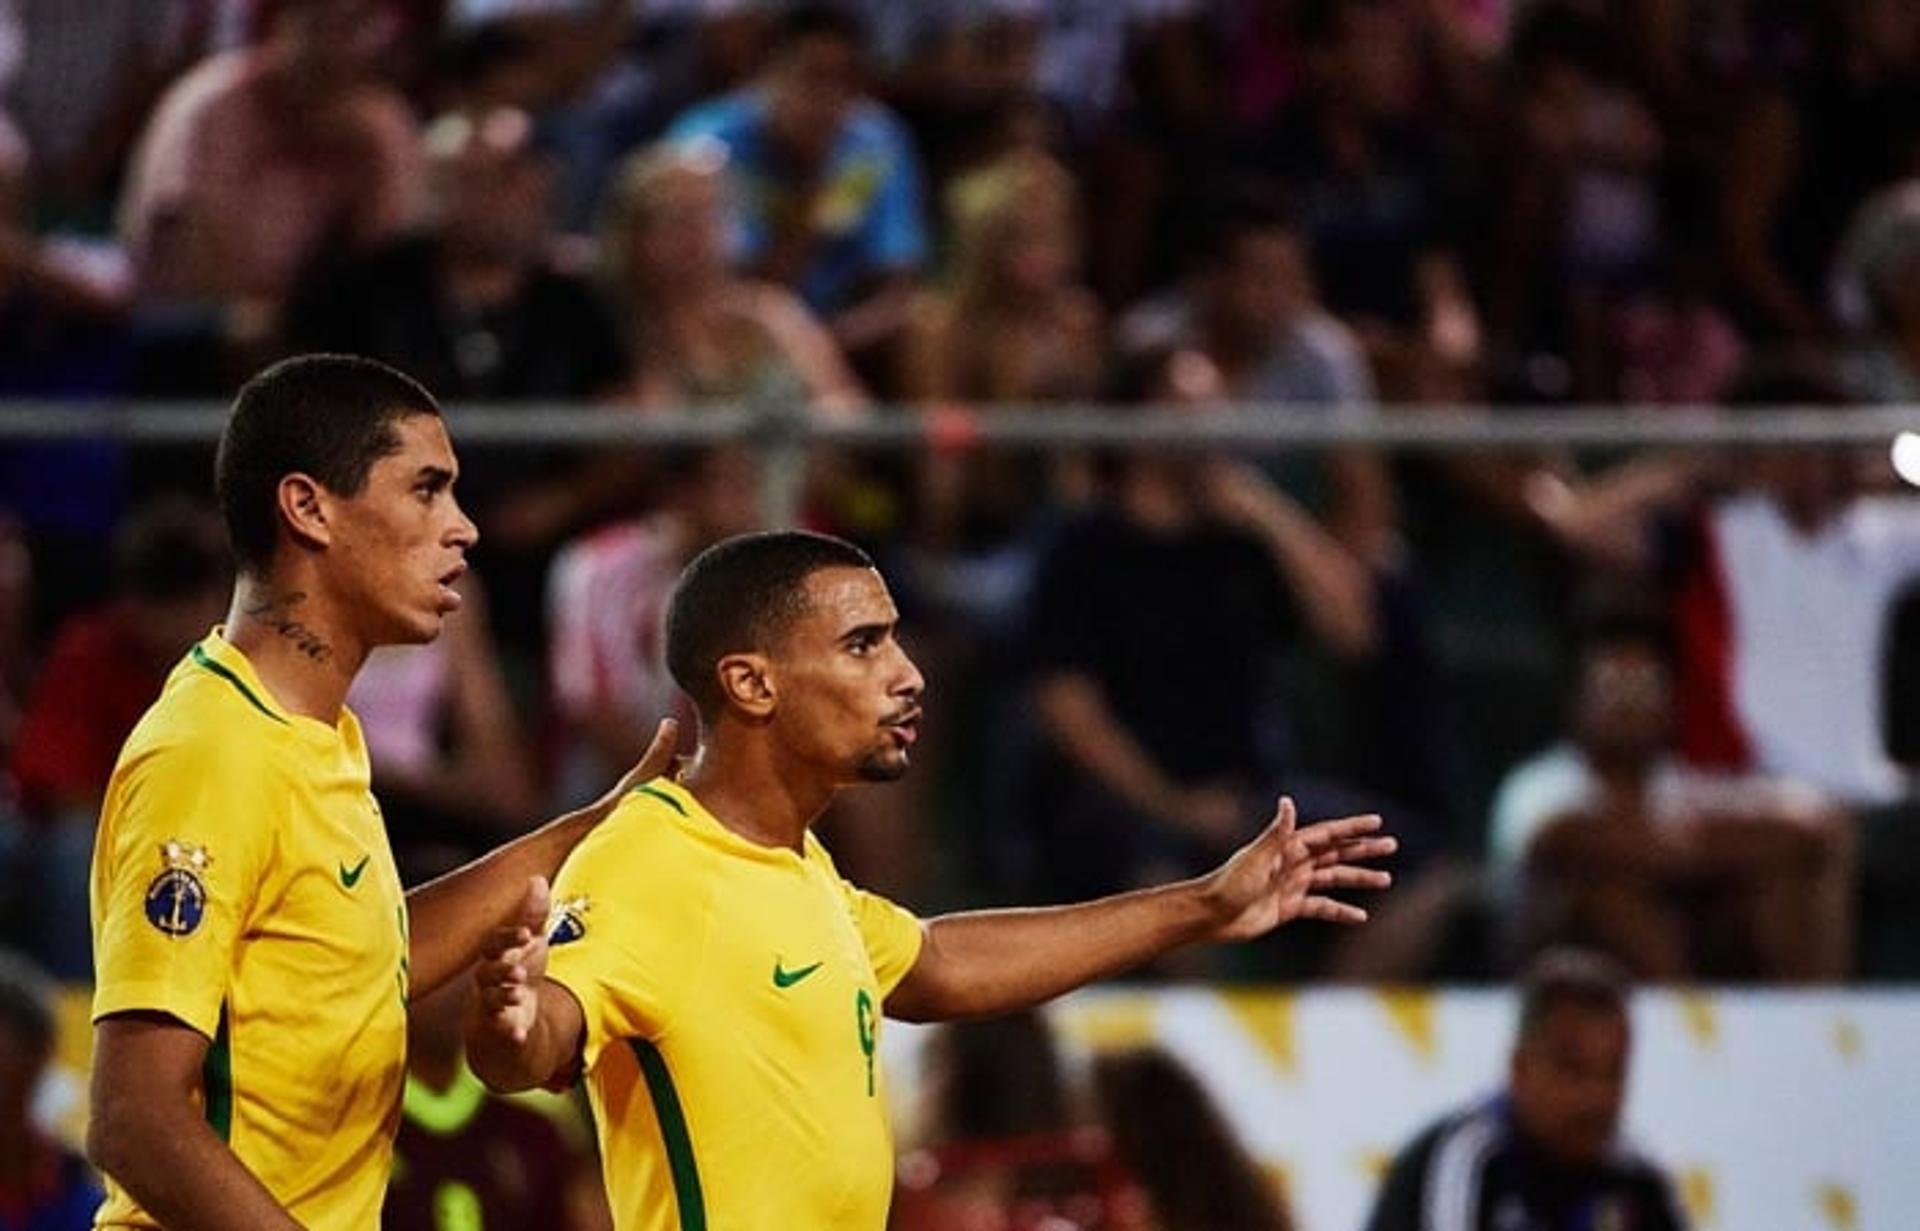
884	768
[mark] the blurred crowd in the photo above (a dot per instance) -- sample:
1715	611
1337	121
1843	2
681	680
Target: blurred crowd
1666	704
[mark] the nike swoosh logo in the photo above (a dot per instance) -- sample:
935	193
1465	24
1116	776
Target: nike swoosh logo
351	876
787	978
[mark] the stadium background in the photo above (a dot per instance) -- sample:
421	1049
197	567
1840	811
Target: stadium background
1513	261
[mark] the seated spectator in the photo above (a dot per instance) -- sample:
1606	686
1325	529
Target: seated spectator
1250	304
606	598
105	666
1783	612
475	303
1547	1152
1193	1173
696	331
259	158
1014	325
1679	873
824	184
1364	167
43	1185
449	757
1003	1145
1156	623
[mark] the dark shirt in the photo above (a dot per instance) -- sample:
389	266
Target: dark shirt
553	340
1182	633
1472	1171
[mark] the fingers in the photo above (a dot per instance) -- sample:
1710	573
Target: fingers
658	759
1323	834
1344	877
1356	852
1331	911
1280	829
535	905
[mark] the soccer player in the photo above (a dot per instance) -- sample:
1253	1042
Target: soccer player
720	985
254	954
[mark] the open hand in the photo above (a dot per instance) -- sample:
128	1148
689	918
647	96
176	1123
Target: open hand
511	966
1286	873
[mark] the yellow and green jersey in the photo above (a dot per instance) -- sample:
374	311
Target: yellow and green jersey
732	995
242	883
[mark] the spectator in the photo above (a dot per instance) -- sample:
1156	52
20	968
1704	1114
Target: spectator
94	74
1679	873
1547	1152
104	667
1168	753
1014	326
1783	614
465	1157
824	185
43	1185
260	158
698	332
476	301
1375	197
1251	305
1806	149
1167	1131
606	597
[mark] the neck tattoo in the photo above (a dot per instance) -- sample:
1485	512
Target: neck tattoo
276	612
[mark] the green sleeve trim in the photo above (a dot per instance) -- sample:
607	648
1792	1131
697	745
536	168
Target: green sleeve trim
673	1133
216	1081
202	660
662	796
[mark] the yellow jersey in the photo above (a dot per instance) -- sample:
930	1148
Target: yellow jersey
732	995
242	883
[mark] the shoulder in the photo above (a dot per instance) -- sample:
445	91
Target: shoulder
728	118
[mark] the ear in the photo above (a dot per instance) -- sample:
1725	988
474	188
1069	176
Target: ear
303	507
747	683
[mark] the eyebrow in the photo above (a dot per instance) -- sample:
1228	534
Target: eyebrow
861	631
439	476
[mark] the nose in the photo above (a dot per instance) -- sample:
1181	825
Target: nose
911	683
465	533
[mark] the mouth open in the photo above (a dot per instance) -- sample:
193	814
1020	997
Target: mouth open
906	729
450	597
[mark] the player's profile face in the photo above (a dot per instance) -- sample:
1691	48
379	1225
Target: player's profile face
849	696
400	544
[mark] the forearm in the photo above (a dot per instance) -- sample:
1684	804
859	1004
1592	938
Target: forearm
168	1159
1333	586
448	919
1076	715
988	962
542	1059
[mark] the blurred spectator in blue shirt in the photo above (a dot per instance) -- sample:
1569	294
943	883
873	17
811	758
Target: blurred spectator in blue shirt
826	192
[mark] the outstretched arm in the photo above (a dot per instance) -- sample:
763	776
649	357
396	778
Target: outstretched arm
987	962
450	919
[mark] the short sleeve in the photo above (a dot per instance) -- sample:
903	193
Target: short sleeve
896	230
186	843
892	935
1531	795
627	956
